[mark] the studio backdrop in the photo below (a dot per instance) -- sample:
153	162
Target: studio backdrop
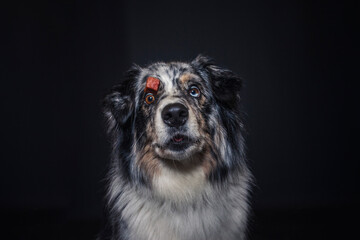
298	60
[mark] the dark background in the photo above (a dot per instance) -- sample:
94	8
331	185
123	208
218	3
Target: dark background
300	63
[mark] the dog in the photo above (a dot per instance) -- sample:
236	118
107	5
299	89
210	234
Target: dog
178	165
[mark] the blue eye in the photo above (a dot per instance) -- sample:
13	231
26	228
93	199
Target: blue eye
194	91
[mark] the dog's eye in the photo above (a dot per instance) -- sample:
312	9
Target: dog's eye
149	98
194	91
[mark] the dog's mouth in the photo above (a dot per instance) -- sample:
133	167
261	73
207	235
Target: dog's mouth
178	138
178	146
179	142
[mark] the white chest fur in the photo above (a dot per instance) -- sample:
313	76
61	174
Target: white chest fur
178	185
190	209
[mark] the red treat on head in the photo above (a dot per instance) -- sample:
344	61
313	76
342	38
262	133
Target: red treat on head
152	85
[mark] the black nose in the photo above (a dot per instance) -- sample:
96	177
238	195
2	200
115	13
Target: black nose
175	115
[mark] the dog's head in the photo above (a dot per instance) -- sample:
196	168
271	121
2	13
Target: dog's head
190	118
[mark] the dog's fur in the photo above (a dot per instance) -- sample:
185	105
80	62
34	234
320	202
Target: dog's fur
199	191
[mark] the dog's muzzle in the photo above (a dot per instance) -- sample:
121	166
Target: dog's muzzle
175	116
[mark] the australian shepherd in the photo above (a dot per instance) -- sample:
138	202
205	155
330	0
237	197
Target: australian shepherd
178	166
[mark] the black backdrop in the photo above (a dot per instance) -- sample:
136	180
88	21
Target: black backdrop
299	61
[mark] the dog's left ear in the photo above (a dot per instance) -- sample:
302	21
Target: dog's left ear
225	84
119	104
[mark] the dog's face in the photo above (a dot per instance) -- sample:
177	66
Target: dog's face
186	118
174	118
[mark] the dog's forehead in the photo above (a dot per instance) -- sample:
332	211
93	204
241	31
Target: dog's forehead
169	74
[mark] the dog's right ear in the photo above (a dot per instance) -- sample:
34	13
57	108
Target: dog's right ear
225	84
119	104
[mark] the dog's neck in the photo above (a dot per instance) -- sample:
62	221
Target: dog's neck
185	180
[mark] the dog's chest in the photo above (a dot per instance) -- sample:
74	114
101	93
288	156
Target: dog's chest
150	221
200	211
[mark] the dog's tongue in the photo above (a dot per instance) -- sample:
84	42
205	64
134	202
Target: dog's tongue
178	139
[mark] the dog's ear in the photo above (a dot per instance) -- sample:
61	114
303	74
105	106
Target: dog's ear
225	84
119	104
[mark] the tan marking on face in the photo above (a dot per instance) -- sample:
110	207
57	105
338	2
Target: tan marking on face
186	77
145	109
201	122
148	162
208	163
202	100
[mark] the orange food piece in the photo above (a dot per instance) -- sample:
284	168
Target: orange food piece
152	85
